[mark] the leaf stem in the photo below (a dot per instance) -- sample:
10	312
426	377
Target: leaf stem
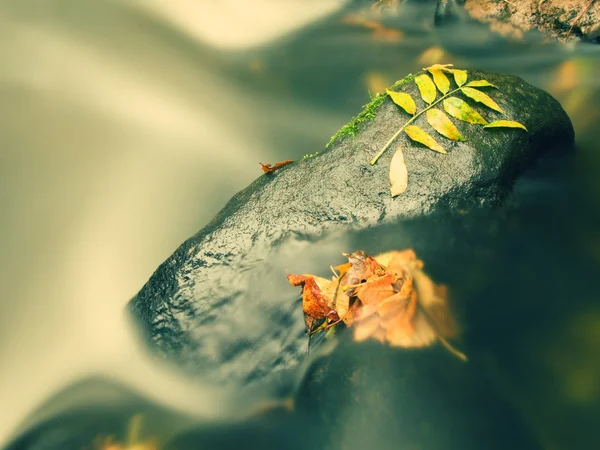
411	120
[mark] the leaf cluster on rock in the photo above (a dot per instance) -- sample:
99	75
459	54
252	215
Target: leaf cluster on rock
429	84
387	298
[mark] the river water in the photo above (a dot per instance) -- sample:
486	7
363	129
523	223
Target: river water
126	125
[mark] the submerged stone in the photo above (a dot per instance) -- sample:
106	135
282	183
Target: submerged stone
96	414
220	306
372	396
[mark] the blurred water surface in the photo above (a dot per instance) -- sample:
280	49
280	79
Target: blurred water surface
126	125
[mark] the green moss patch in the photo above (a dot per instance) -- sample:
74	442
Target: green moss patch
368	113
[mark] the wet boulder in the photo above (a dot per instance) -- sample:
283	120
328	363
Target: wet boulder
220	306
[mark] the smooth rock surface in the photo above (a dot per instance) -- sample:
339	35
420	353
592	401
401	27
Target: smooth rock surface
220	306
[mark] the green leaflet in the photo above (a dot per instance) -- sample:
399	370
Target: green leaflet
505	124
403	100
461	110
440	80
418	135
460	76
426	88
480	97
480	83
442	124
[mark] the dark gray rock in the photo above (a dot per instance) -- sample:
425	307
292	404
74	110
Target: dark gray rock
220	306
276	429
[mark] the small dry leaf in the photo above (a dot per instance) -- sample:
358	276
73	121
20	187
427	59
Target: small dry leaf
441	80
480	97
461	110
398	173
268	168
505	124
426	88
442	124
418	135
460	76
480	83
403	100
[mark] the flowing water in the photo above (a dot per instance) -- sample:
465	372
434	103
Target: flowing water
126	125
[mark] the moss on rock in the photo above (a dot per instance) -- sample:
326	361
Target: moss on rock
368	113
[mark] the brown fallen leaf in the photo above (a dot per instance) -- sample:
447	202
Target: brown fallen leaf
362	267
376	290
392	301
387	298
268	168
316	298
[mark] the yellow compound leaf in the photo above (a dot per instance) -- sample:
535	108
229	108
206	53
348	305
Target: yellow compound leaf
480	97
418	135
442	124
460	76
440	80
505	124
398	173
480	83
426	88
403	100
461	110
